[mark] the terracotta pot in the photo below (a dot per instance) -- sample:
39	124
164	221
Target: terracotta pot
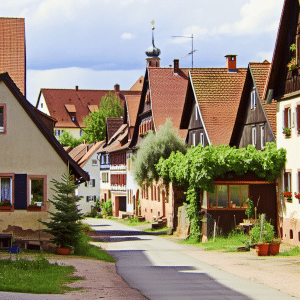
262	249
274	248
5	208
34	208
62	251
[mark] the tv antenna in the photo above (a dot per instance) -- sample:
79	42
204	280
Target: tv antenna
192	52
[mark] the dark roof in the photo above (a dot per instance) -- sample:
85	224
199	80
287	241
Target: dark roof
218	93
112	125
29	109
12	50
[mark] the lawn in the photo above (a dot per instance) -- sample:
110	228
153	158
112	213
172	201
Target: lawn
227	243
131	222
35	276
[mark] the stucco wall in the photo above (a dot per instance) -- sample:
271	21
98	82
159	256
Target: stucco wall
25	150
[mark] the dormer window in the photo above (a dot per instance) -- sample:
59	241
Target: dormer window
73	118
253	99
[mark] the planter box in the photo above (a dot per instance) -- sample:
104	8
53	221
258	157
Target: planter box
5	208
262	249
34	208
62	251
274	248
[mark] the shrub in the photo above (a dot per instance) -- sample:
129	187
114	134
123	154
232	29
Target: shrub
106	208
250	212
267	233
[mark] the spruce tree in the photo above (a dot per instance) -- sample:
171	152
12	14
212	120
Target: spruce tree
65	225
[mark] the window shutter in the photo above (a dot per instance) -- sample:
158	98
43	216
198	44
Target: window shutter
20	191
87	198
94	182
286	117
298	118
95	198
85	184
286	181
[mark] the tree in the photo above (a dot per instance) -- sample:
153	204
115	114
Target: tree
67	139
109	107
64	225
153	147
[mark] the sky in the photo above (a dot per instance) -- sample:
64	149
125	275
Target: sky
95	44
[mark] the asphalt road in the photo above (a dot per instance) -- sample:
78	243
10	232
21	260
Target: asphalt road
159	269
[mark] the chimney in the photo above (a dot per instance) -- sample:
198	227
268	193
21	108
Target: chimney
76	87
231	63
117	88
176	66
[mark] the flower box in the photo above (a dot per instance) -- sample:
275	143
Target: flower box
34	208
6	208
287	197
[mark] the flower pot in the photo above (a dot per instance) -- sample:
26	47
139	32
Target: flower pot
62	251
288	199
262	249
34	208
274	248
6	208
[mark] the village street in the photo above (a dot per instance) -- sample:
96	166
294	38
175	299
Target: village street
162	269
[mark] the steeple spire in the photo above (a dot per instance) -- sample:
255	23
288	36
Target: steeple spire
152	52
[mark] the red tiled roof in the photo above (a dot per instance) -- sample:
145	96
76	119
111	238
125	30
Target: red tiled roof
112	126
95	147
133	107
83	100
78	152
260	72
12	50
138	86
168	91
218	93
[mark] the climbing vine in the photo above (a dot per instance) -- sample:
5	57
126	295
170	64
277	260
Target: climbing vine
200	166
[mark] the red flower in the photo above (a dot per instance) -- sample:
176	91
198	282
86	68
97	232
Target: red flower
287	194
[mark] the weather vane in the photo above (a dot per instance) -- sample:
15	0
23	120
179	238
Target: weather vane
192	52
153	22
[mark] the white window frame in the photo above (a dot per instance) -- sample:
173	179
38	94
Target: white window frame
253	99
194	138
10	185
254	136
289	183
2	127
262	136
202	138
91	183
196	113
58	132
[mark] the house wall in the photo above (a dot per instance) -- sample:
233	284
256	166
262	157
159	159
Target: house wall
24	150
85	191
131	185
42	106
291	211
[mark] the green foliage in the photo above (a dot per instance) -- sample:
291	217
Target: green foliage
292	252
97	203
67	139
109	107
293	47
250	212
64	225
199	167
267	233
154	147
35	276
106	208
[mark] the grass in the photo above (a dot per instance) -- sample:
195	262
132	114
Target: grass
227	243
36	277
156	230
292	252
132	222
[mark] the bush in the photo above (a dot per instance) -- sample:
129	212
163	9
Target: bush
106	208
250	212
267	234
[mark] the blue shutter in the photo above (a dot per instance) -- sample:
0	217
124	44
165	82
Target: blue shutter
20	191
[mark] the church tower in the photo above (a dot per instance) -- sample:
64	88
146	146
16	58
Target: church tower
152	52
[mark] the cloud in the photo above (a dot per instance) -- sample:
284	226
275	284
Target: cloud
268	55
126	36
85	78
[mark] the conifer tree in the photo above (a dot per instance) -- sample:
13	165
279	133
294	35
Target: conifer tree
64	225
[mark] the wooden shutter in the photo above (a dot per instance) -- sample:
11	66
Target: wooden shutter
20	191
286	181
286	117
298	118
94	182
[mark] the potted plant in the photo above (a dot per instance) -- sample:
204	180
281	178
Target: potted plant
262	238
274	247
5	206
287	196
250	212
64	226
292	65
287	131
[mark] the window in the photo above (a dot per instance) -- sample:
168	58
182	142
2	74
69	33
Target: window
80	132
254	136
194	139
202	139
94	162
5	189
58	132
91	198
196	113
229	195
253	99
262	137
90	183
288	182
287	117
36	187
42	104
73	118
2	118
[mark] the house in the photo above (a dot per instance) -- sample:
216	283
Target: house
70	106
283	87
13	50
85	156
256	120
31	158
224	106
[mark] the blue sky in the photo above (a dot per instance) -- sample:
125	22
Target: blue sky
97	43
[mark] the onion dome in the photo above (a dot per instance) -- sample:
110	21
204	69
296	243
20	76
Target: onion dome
152	51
